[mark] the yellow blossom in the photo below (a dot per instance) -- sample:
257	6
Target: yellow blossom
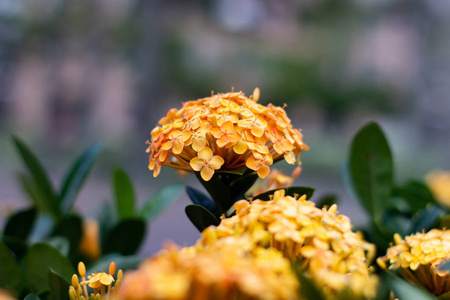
206	163
418	258
242	132
335	257
90	240
219	271
439	184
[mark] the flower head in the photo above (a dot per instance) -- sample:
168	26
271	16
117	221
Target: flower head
220	271
242	132
334	256
418	258
439	184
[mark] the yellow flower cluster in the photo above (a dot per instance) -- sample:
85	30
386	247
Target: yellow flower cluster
418	258
224	132
99	282
221	272
331	254
439	184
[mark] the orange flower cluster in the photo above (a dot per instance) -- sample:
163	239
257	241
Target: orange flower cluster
224	132
419	257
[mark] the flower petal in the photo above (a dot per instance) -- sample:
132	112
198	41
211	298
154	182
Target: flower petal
196	164
205	154
263	171
206	173
240	147
198	143
216	162
253	164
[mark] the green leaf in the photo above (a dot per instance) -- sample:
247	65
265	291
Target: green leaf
39	259
445	223
291	191
405	290
29	186
126	237
123	194
200	216
42	182
370	169
71	227
76	176
60	243
17	246
10	271
20	224
201	199
59	287
241	185
107	219
416	194
32	297
327	200
218	191
426	219
159	201
307	289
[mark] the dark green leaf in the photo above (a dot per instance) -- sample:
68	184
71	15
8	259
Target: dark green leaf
32	297
122	262
291	191
10	271
126	237
201	199
76	176
59	287
370	169
200	216
307	289
43	227
444	296
426	219
159	201
17	246
327	201
123	194
71	227
20	224
445	223
39	259
404	290
241	185
218	191
29	186
40	177
60	243
238	171
416	194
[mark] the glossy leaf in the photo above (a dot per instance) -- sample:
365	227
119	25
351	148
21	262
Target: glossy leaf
370	169
405	290
160	200
39	259
200	217
29	187
291	191
123	194
32	297
201	199
71	228
416	194
241	185
426	219
59	287
20	224
76	176
218	191
10	271
42	181
17	246
126	237
327	201
107	220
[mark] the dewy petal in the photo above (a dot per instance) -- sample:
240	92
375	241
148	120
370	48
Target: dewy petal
263	171
196	164
206	173
205	154
253	163
216	162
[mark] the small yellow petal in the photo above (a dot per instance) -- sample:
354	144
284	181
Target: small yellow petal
206	173
252	163
263	171
216	162
205	154
196	164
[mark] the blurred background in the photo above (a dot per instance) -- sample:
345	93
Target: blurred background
76	72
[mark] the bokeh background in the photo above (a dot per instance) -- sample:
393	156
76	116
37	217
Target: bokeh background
76	72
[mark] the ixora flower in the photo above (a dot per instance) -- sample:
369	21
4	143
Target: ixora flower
243	133
319	240
221	272
418	258
439	184
101	283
